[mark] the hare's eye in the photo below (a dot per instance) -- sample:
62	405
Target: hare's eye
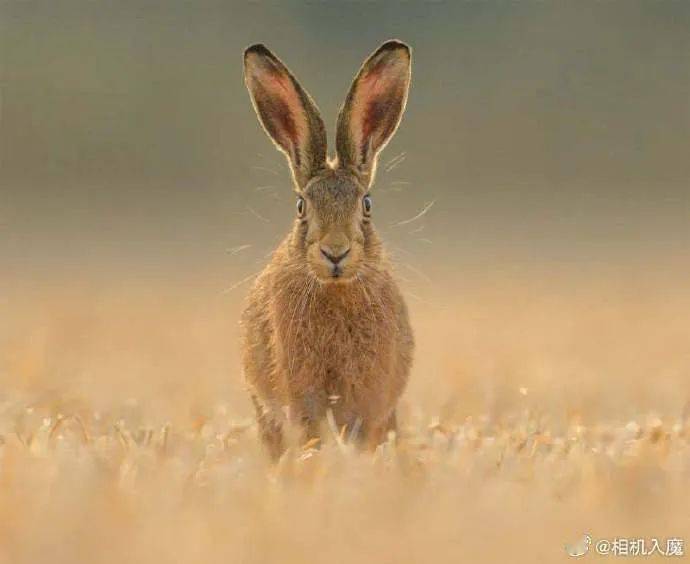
301	207
366	205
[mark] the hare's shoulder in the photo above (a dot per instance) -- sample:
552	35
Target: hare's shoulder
255	317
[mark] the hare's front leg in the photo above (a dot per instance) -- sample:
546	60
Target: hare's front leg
366	433
376	433
307	411
270	429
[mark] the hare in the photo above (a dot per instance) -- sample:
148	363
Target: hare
325	326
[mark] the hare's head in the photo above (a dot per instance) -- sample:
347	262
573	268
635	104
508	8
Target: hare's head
333	228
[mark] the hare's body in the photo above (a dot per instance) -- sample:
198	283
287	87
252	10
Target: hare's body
326	326
312	346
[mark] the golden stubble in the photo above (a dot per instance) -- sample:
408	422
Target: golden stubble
538	409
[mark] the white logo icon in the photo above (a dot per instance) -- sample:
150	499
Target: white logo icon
579	548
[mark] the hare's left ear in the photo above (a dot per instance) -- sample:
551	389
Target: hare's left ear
287	112
373	108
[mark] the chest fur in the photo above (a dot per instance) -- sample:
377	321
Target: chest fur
344	331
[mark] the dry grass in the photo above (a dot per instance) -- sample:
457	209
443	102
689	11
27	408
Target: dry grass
533	416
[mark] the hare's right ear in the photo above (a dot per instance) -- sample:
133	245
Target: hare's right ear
373	108
287	112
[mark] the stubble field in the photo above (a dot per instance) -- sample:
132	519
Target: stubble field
540	409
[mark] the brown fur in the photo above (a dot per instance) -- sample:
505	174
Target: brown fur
319	336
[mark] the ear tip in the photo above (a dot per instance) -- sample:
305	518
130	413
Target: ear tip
395	45
257	49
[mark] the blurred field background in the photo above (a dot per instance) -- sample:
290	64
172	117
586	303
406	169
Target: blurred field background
547	281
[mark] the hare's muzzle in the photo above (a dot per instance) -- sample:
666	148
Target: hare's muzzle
334	259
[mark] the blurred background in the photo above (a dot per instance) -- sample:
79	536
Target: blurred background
535	201
547	142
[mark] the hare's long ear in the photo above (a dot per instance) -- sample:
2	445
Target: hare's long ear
373	108
287	112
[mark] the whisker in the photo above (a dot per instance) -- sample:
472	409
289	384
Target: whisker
239	283
265	169
257	215
395	161
416	271
238	249
426	208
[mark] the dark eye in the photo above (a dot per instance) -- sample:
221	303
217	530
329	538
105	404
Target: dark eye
301	207
366	204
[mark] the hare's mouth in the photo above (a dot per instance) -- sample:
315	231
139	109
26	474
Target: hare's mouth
341	278
334	274
337	277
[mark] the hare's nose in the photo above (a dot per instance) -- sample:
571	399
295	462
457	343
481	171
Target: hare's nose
334	257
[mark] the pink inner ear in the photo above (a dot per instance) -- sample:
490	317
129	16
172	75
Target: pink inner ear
281	106
376	92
